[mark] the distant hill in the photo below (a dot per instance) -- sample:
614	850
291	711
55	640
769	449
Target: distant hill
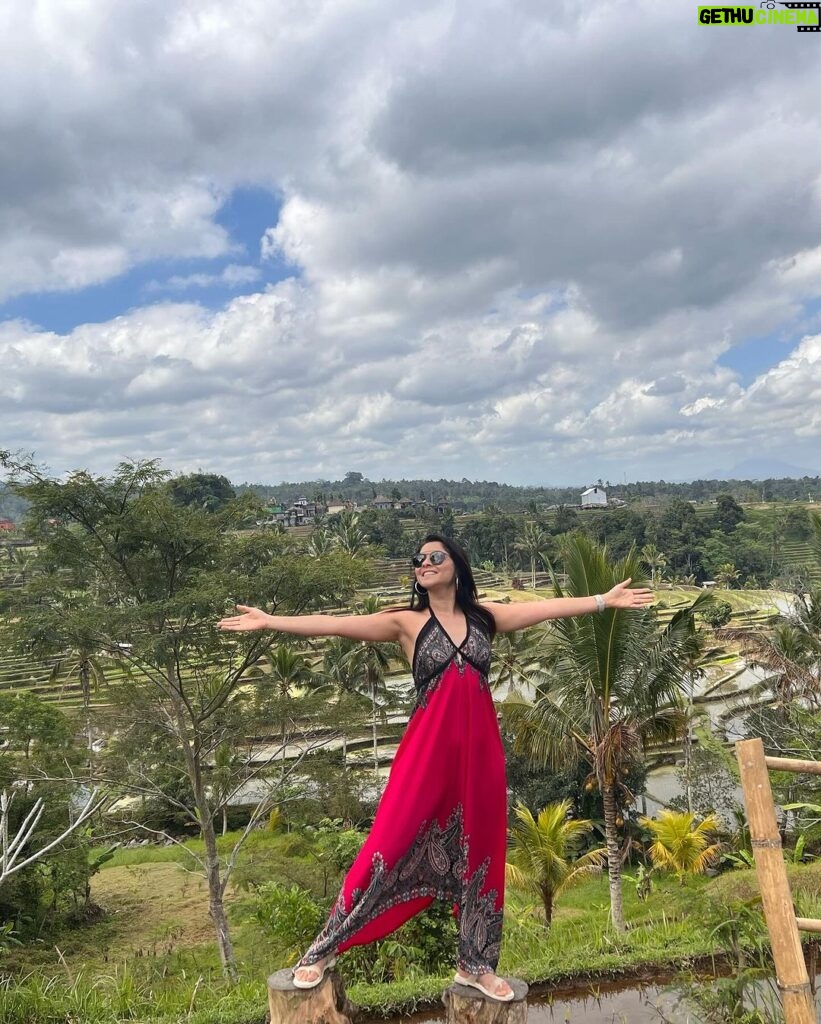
762	469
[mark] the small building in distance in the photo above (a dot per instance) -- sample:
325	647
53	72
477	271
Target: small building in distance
335	507
6	525
594	497
381	503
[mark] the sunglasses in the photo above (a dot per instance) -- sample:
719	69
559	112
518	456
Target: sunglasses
434	557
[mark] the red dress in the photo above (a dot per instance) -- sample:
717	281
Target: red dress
440	828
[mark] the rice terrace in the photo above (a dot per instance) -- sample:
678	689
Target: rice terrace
108	627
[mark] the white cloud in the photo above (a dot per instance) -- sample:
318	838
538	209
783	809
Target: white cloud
232	276
523	236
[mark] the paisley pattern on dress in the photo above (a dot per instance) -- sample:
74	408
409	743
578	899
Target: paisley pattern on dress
434	867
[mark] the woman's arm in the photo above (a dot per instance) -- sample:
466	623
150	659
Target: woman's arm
383	626
510	617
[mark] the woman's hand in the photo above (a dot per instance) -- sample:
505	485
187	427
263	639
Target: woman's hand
251	618
621	596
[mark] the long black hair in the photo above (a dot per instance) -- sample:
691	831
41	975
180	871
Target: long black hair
466	595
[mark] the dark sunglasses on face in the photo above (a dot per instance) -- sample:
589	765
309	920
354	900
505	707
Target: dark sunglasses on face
434	557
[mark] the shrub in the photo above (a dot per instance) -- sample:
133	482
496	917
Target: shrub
717	613
290	915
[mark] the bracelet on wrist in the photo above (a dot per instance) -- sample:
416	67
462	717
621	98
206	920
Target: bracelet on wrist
599	602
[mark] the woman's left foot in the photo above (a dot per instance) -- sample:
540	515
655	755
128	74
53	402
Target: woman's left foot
489	984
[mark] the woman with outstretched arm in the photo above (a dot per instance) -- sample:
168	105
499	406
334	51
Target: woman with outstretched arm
440	828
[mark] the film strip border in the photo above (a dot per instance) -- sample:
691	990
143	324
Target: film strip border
814	5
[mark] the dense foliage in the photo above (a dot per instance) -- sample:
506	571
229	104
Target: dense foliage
472	495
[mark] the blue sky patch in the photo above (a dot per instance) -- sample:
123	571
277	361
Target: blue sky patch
246	215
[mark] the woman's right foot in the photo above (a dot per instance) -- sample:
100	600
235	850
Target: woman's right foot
310	975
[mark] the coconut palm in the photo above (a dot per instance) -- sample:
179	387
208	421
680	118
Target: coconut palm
613	680
790	652
369	663
727	576
342	674
518	661
701	652
540	850
654	559
535	544
681	846
223	779
83	664
289	674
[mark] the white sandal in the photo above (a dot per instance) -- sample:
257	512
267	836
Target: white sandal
317	981
475	983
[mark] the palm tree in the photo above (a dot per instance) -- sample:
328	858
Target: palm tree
321	542
83	664
654	560
815	540
534	543
790	652
727	576
681	846
348	534
369	663
223	779
614	680
540	849
695	661
341	674
288	673
518	661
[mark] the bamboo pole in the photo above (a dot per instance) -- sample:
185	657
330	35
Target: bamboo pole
776	898
808	924
791	764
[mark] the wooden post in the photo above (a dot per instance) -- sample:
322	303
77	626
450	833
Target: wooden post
325	1004
776	898
467	1005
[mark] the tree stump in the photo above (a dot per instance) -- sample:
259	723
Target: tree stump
325	1004
466	1005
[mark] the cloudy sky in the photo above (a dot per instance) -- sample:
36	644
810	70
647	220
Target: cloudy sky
497	239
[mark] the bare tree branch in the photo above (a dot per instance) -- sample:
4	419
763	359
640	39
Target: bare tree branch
11	846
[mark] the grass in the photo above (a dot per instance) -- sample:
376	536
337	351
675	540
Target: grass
153	957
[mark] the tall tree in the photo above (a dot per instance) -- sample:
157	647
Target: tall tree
534	543
157	575
368	665
341	672
727	576
207	491
728	513
613	679
654	560
286	675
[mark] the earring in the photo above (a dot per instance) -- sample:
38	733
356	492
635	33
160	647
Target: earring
419	590
457	582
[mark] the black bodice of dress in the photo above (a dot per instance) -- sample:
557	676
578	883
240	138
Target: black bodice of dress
435	650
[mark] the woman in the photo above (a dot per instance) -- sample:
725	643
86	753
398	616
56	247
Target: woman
440	828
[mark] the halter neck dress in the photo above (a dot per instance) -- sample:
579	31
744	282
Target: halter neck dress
440	828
